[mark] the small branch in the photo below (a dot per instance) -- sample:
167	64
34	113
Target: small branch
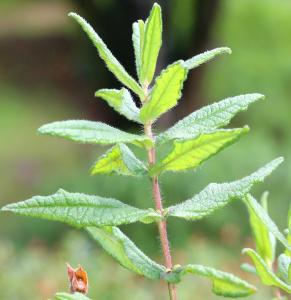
159	206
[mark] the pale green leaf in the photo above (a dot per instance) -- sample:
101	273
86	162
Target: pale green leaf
111	62
264	218
284	267
216	196
208	118
223	284
152	44
138	31
288	252
265	273
263	238
248	268
126	252
120	160
75	296
189	154
121	101
90	132
204	57
81	210
165	94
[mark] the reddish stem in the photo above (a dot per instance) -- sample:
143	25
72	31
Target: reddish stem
159	206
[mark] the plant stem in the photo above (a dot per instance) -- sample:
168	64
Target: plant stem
159	206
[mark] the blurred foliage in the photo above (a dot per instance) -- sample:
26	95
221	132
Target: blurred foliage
43	270
259	33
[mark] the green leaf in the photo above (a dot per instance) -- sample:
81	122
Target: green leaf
223	284
204	57
208	118
121	101
111	62
284	267
120	160
126	252
264	218
288	252
138	32
81	210
165	94
92	133
265	273
264	239
189	154
216	196
66	296
248	268
152	44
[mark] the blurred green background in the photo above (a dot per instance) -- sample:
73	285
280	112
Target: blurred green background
49	71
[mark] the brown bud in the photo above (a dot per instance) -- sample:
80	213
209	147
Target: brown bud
78	279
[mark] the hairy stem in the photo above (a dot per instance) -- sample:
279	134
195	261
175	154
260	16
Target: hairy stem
159	206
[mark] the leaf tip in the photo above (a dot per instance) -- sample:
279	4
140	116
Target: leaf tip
72	14
226	50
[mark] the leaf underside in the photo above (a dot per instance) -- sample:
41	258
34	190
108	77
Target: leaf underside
90	132
80	210
284	268
119	160
189	154
223	284
204	57
121	101
208	118
216	196
120	247
138	31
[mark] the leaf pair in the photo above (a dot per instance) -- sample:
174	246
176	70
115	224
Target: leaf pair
129	256
147	41
82	210
168	85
